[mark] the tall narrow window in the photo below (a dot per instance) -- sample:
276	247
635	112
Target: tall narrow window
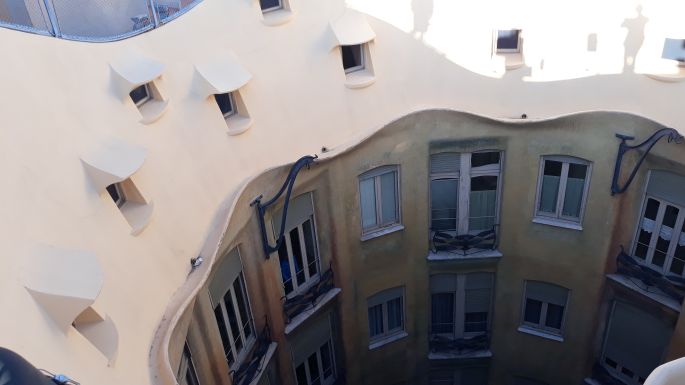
226	104
460	304
186	374
298	255
508	40
379	198
386	314
464	190
661	236
353	57
562	189
544	306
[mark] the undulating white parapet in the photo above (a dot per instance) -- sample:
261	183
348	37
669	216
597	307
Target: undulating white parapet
113	161
221	79
137	77
63	282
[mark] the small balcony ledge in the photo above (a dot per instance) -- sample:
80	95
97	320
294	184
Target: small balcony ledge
484	353
320	302
471	255
650	292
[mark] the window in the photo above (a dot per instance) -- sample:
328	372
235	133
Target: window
464	190
562	189
508	41
386	313
298	254
226	104
131	203
460	304
313	354
657	243
141	94
116	191
379	198
544	306
674	49
270	5
634	344
353	57
186	374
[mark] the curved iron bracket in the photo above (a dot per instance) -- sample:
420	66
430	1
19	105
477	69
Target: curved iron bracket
305	161
646	146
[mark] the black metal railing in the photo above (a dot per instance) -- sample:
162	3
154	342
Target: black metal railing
602	375
253	363
650	280
459	346
297	304
464	244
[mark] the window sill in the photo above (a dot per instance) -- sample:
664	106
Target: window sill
486	353
540	333
137	215
382	232
558	223
633	285
302	317
359	79
238	124
153	110
277	17
668	71
377	343
447	256
264	362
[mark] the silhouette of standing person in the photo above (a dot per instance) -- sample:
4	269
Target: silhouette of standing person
635	37
423	11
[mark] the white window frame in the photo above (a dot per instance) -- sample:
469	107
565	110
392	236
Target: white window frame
309	280
362	65
384	306
506	50
670	253
463	178
149	96
376	174
238	357
231	101
272	9
459	315
550	218
186	365
543	312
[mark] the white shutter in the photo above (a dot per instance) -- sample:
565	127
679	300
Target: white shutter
228	270
445	163
310	339
299	210
546	292
443	283
667	186
478	292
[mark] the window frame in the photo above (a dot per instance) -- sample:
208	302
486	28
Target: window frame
658	222
232	103
459	297
376	174
189	364
498	50
463	178
148	95
238	357
387	333
541	327
362	64
561	192
319	360
272	9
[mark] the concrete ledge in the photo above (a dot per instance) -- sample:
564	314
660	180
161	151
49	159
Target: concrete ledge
300	318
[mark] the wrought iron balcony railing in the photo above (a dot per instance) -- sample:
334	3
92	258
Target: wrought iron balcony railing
465	244
253	364
295	305
459	346
651	280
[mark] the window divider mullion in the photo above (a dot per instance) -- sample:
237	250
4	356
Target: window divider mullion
377	191
227	324
675	237
303	252
291	261
543	316
655	231
238	319
561	194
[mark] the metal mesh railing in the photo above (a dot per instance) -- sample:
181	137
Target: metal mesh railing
90	20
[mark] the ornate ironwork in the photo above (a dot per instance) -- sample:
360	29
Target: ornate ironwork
287	187
253	364
464	244
297	304
459	346
646	146
650	280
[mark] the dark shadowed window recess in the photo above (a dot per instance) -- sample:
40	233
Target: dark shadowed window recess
508	40
140	94
226	104
270	5
353	57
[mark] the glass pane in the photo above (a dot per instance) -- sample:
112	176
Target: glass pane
367	189
442	313
314	369
285	268
301	375
678	263
395	314
550	186
269	4
533	310
482	203
326	361
508	39
575	186
139	94
388	198
476	322
375	320
310	247
674	49
555	314
352	56
225	103
233	321
479	159
647	228
239	290
444	198
665	234
297	255
222	332
114	193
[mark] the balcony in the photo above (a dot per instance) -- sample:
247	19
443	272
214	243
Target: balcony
250	371
601	376
444	348
446	246
664	289
298	308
